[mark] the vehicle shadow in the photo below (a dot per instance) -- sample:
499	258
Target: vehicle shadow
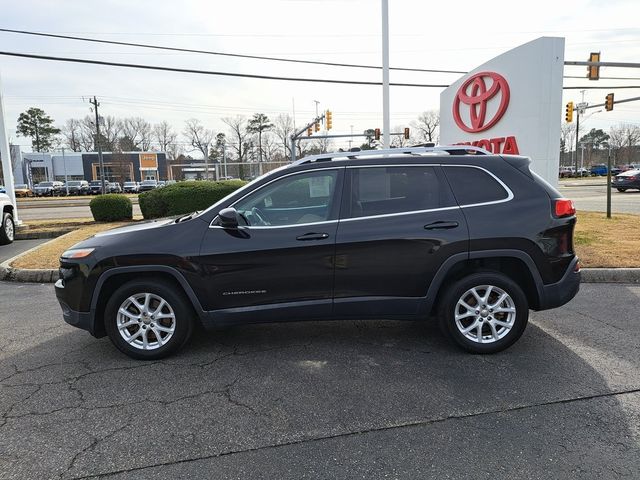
243	388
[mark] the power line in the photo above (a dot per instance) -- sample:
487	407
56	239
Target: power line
262	77
225	54
210	72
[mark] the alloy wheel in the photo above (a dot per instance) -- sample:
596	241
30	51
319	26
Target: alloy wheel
485	314
146	321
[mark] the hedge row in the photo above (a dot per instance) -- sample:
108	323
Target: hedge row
111	207
184	197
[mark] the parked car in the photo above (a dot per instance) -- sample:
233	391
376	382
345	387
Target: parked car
566	172
161	183
146	185
7	229
114	187
95	187
374	234
627	180
22	190
599	169
48	189
130	187
77	187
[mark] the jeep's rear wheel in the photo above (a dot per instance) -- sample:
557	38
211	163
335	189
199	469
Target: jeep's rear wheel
622	189
484	312
148	320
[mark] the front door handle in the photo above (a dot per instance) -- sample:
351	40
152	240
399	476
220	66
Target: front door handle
313	236
440	225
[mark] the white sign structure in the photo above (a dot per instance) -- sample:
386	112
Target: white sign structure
512	104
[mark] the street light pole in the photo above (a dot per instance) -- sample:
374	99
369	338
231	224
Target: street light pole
386	123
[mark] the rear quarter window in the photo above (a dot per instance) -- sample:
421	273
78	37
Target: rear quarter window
473	185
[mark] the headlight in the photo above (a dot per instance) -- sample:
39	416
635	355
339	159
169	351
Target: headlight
77	253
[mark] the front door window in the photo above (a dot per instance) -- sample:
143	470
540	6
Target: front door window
293	200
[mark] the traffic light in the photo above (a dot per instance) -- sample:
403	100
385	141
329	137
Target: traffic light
593	71
317	126
608	103
328	119
568	116
406	133
309	132
376	134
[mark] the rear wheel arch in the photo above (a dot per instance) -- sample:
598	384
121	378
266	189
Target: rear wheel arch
513	266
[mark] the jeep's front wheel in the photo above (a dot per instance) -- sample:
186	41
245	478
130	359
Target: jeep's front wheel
7	229
148	320
484	312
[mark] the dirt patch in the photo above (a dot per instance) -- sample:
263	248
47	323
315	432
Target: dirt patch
607	242
47	255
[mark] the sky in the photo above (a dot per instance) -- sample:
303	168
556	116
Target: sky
454	35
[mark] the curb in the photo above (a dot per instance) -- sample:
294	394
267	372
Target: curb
27	235
24	275
610	275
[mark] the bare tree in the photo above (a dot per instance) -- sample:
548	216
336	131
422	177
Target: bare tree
283	129
567	140
138	131
240	138
623	139
426	126
110	128
200	138
71	133
164	135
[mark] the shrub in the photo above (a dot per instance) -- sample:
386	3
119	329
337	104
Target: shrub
111	207
184	197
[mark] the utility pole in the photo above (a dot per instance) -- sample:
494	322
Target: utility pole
100	160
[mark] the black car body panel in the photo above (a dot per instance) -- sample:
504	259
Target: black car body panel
358	261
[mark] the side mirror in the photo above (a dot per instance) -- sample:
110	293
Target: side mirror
228	218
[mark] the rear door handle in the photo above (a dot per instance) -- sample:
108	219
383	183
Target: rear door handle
313	236
440	225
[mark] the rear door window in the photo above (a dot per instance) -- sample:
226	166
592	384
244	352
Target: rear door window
393	190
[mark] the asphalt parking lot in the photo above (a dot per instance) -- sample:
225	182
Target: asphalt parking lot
324	400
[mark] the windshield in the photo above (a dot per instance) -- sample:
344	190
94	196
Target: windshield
21	185
73	184
149	182
129	184
96	183
45	184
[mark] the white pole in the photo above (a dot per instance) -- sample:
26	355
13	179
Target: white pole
66	180
386	124
6	160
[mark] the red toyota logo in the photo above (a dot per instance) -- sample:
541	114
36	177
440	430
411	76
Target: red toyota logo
478	98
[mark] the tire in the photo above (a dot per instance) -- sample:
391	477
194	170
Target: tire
177	329
622	190
495	333
7	229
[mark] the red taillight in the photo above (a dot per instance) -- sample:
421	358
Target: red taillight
564	207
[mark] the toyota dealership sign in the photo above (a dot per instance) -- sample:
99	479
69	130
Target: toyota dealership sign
510	105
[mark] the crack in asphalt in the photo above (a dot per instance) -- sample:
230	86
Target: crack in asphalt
417	423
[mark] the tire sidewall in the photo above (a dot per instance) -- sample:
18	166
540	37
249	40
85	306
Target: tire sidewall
177	301
4	238
447	320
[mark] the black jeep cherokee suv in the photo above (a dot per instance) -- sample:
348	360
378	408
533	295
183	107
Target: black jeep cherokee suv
477	239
